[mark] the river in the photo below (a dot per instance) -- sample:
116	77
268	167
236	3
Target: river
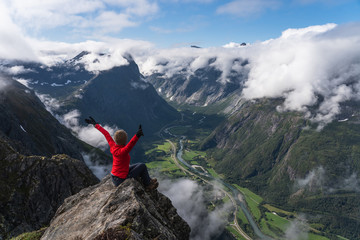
235	192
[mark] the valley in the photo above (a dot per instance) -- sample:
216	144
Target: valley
177	156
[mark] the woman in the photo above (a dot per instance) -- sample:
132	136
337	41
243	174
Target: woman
121	168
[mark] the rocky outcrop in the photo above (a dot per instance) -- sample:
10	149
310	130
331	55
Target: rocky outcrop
103	211
33	187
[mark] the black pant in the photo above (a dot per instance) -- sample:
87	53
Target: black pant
135	170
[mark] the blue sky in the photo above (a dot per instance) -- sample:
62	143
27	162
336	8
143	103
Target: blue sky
202	23
173	23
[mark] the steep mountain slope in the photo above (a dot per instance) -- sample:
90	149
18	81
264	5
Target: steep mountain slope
31	128
205	86
126	212
33	187
282	157
121	97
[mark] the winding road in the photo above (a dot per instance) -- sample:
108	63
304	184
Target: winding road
235	225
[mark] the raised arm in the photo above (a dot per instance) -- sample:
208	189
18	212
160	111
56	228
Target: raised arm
109	139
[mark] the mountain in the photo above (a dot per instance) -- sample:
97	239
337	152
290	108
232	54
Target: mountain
119	96
202	87
286	160
33	187
103	211
30	127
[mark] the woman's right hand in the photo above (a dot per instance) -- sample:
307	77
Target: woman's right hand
139	132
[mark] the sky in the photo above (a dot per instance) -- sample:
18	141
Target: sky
170	23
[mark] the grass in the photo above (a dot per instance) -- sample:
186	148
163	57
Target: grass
278	210
214	174
241	216
277	221
190	155
166	147
163	163
235	233
252	200
312	236
35	235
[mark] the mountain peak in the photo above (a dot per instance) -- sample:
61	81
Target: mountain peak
128	210
80	55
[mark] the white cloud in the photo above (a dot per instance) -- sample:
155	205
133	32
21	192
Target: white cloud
298	229
313	181
247	8
14	70
105	22
304	63
88	134
318	179
13	44
103	15
51	104
188	198
99	170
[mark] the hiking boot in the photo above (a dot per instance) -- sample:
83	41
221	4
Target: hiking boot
153	180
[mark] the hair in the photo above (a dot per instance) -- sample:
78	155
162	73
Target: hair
120	137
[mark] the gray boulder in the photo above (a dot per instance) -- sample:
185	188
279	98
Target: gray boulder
128	211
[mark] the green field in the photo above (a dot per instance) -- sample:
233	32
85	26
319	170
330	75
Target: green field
214	174
252	200
162	162
235	233
241	216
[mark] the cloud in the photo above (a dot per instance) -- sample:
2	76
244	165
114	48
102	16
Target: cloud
103	55
298	229
318	179
187	60
99	170
248	8
188	198
13	44
305	63
106	16
313	181
51	104
88	134
14	70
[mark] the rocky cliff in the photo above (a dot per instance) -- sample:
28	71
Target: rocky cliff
33	187
103	211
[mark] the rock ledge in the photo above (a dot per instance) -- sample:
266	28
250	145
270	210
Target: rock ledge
128	209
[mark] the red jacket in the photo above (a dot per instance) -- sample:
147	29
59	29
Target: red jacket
121	157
